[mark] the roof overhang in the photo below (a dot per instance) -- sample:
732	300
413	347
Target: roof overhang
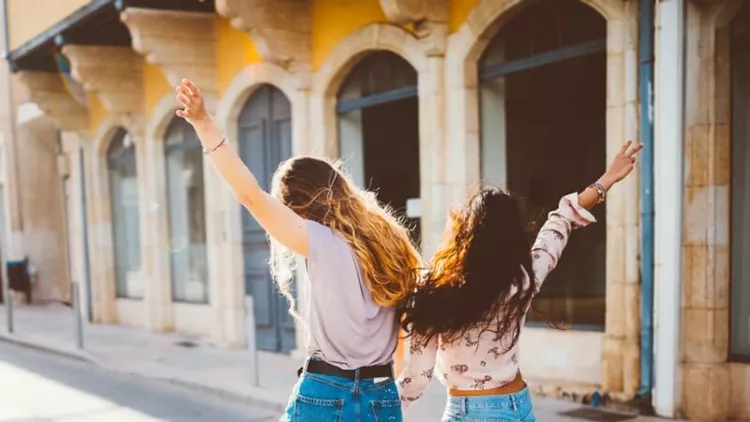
97	23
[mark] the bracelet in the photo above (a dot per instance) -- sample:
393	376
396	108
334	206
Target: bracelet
219	145
600	191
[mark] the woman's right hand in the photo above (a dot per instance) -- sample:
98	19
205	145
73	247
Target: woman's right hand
191	99
623	163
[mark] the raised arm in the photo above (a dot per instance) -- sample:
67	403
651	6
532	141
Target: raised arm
572	213
418	366
279	221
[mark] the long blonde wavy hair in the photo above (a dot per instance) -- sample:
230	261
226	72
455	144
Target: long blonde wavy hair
319	191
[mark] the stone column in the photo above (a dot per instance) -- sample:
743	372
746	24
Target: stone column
706	253
621	353
114	75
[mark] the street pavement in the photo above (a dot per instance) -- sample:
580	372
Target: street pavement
122	359
38	386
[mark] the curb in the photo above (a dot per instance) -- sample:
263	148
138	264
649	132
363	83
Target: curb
68	353
255	395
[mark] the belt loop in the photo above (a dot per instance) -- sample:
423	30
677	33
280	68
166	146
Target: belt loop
514	403
464	405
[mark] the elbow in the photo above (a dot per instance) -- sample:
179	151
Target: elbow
245	199
247	196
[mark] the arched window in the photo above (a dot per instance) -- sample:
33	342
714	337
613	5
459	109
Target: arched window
126	221
378	113
187	216
265	137
543	134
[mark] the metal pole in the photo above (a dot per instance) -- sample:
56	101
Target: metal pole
85	229
77	309
14	169
7	293
252	345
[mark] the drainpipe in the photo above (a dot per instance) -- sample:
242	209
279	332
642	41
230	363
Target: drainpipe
646	99
12	122
670	129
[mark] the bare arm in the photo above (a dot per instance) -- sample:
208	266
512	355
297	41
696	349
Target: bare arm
278	220
572	214
620	167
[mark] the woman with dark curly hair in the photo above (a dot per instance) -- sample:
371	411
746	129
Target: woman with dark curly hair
467	314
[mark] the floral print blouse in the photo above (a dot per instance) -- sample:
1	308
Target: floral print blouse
479	360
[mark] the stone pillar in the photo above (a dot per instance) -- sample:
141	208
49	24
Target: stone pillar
114	75
706	254
621	350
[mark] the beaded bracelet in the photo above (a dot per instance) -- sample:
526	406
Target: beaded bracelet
601	192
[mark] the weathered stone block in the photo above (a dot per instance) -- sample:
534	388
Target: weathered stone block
612	364
740	391
706	335
706	394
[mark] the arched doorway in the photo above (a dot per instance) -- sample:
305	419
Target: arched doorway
126	220
265	138
543	134
187	213
378	121
740	200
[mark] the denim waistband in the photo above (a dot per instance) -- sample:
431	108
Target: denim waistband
505	401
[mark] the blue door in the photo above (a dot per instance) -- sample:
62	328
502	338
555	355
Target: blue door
265	138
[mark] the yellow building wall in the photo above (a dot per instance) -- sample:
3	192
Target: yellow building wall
234	51
28	18
460	10
332	20
97	113
155	87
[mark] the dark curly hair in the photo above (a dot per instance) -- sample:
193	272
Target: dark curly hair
470	279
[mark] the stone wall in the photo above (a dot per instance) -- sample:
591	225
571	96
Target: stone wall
711	386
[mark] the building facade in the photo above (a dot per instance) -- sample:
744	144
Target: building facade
422	101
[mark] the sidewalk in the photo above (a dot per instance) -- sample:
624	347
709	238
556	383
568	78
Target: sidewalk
196	363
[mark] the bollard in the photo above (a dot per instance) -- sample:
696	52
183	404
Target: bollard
7	298
76	299
251	343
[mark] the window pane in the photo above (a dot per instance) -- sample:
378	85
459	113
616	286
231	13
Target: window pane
740	232
543	133
186	196
125	216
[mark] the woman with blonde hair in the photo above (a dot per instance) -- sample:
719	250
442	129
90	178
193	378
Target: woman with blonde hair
360	264
464	321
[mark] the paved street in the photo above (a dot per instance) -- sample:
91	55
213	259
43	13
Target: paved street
128	383
36	386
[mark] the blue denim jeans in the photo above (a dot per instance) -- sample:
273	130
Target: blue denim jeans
326	398
506	408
